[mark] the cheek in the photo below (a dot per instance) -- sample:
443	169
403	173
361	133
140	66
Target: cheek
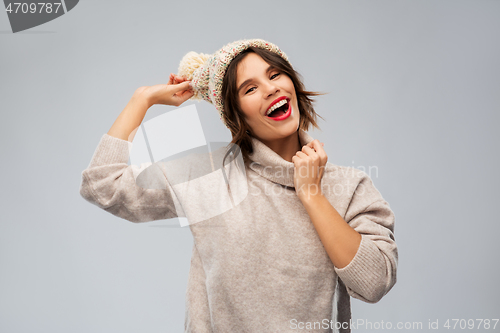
249	107
244	108
289	84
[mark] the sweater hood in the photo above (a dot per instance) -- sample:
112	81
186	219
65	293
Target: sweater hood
272	166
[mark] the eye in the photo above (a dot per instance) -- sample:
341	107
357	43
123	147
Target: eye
249	90
275	75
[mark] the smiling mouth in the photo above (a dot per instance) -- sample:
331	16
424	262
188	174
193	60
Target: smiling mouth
278	109
276	113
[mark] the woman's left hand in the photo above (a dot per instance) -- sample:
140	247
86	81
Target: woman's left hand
309	169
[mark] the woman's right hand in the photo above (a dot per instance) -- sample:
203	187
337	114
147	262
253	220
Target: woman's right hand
175	92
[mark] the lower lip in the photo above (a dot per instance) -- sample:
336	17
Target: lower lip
285	115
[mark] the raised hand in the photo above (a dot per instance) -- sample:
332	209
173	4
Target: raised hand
309	169
175	92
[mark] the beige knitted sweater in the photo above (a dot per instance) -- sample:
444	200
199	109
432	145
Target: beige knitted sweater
259	266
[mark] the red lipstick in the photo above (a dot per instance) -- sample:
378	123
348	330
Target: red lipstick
286	115
276	101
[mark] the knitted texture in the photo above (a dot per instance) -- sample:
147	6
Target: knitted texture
206	72
261	264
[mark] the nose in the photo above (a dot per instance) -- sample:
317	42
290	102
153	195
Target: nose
271	89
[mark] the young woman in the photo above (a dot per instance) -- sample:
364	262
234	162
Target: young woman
309	233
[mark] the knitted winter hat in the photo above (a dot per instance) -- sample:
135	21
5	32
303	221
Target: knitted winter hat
206	71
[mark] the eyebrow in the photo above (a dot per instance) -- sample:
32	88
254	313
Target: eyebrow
270	68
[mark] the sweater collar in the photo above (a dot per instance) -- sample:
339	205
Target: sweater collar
272	166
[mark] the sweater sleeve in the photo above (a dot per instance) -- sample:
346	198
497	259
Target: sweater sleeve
372	272
111	184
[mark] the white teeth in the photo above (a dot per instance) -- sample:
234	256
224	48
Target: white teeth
275	106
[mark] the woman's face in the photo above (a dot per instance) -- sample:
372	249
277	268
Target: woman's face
262	89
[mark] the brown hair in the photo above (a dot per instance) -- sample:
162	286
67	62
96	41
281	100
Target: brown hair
233	115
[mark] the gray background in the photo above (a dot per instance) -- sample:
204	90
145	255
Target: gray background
413	90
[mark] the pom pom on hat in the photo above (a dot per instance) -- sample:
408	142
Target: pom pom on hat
191	62
206	71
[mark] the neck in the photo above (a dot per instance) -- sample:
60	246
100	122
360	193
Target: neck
285	147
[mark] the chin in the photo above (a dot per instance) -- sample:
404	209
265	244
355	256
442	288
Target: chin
290	129
293	124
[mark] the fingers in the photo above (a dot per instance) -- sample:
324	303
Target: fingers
174	79
306	159
309	150
316	145
185	96
315	149
181	92
301	154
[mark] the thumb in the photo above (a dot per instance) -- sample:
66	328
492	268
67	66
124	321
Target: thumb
181	87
